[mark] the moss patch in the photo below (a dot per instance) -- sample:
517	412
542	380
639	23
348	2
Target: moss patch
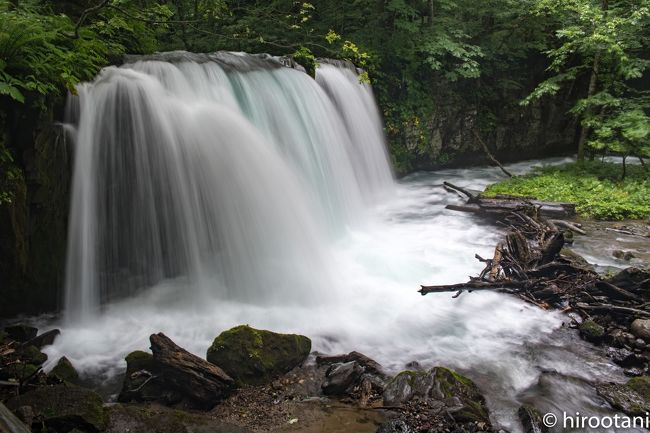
253	356
592	331
641	385
64	407
453	384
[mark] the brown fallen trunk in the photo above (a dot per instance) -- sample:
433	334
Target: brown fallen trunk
9	423
475	285
204	383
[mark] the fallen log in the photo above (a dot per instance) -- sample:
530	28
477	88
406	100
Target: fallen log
472	195
204	383
568	225
9	423
497	207
616	292
475	285
613	308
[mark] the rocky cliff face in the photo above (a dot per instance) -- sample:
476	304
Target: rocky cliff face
33	225
447	137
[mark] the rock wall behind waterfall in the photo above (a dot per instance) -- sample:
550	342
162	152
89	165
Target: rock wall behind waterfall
33	226
444	137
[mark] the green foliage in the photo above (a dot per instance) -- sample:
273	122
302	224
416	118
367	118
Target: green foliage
304	57
10	175
596	188
602	44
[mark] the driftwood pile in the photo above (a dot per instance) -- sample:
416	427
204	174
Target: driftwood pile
532	263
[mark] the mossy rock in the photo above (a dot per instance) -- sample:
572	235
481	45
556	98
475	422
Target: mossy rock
33	355
440	384
253	356
624	398
592	331
65	371
641	385
64	407
450	384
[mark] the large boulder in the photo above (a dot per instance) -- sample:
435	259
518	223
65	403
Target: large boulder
65	371
63	407
253	356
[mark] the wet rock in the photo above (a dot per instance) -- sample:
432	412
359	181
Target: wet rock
65	371
616	338
252	356
21	332
625	357
340	377
370	365
641	385
631	278
394	426
531	420
32	355
633	372
400	389
63	407
460	395
623	398
44	339
414	366
641	328
592	331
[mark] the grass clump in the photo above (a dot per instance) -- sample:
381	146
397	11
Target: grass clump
597	188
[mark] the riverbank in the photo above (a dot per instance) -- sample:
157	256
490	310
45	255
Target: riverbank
600	190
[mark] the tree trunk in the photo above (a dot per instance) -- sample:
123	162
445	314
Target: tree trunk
584	131
430	13
593	82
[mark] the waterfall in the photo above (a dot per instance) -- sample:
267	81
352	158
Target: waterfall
230	171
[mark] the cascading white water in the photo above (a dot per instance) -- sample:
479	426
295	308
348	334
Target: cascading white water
211	189
201	170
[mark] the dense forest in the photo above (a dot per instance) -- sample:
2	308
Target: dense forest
492	58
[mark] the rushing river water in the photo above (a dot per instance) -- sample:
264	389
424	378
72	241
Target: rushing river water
516	352
197	208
